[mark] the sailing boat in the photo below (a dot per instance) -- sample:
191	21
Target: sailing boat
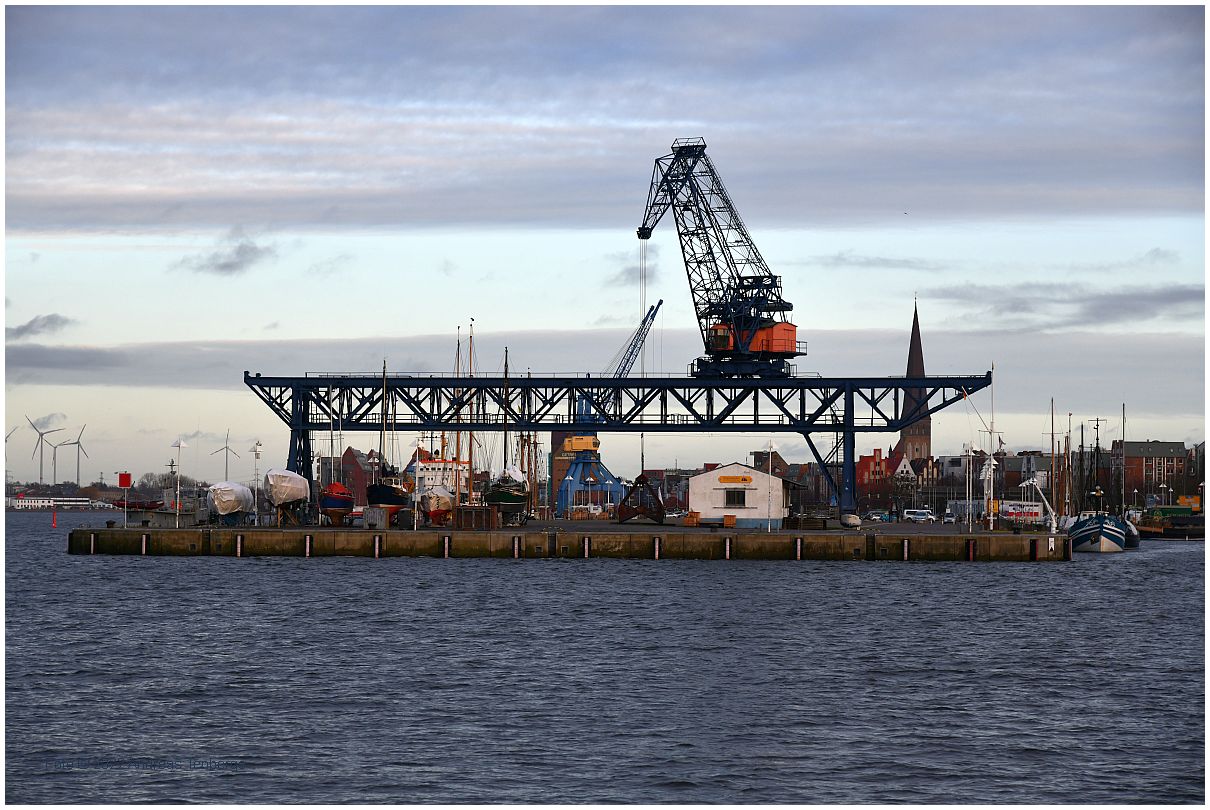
336	501
509	492
389	492
1097	530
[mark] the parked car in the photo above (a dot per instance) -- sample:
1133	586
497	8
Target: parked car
879	515
949	517
919	516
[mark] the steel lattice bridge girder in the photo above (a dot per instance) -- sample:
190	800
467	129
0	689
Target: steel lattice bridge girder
628	404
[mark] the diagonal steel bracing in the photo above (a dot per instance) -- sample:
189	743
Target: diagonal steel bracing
803	405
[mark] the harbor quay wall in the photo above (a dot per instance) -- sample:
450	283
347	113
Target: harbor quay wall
520	544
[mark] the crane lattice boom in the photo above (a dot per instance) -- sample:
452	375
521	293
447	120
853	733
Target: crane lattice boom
736	298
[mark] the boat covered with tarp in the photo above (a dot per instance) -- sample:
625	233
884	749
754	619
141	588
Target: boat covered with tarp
284	487
230	498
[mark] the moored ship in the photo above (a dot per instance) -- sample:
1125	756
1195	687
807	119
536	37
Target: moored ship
1172	523
1097	532
336	502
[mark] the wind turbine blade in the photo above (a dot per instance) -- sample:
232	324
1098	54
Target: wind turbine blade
221	449
11	432
31	422
82	450
81	432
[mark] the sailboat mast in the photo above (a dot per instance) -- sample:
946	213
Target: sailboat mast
1052	451
470	437
1123	468
505	408
382	434
458	417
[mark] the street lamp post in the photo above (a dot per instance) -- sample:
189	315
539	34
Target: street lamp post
1134	498
1163	494
255	451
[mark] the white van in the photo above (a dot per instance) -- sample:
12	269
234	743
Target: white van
919	515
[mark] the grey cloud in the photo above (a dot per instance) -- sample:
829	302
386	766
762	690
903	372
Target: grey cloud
611	320
847	259
629	271
1030	306
38	325
237	254
49	420
420	116
205	435
1085	368
330	266
1156	257
269	327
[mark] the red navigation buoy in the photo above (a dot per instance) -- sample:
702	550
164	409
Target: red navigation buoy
54	519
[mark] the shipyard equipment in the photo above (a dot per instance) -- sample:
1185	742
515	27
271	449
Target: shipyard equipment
737	299
586	473
743	383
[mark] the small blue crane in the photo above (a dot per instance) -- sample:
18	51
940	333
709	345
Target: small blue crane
587	474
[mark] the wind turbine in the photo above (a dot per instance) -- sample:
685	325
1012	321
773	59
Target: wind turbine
10	433
54	462
39	447
227	458
79	449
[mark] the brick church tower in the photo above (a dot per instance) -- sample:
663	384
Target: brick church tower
915	441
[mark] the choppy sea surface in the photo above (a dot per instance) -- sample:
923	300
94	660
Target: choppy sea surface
561	681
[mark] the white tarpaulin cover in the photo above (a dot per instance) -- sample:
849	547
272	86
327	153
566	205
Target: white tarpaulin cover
512	472
284	486
229	497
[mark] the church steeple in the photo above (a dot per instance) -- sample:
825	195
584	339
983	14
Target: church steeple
915	441
915	364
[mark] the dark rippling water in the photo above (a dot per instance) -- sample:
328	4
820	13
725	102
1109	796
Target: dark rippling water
562	681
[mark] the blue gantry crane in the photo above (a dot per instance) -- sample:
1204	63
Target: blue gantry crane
743	383
588	479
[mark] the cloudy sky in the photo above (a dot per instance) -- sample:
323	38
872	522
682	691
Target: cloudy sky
192	192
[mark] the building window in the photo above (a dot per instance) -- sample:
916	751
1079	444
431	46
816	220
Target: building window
735	497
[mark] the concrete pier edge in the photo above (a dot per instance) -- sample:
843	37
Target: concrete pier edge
519	544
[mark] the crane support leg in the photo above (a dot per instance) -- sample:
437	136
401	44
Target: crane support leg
848	492
299	460
823	467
